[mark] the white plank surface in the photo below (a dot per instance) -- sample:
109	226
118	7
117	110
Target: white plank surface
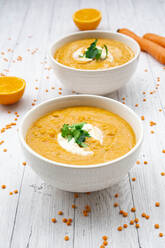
26	217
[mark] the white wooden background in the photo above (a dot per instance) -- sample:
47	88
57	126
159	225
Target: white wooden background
26	29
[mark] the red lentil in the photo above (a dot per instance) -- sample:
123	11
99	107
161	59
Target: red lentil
137	226
131	222
3	186
156	226
54	220
125	225
66	238
104	237
119	228
105	242
60	213
157	204
147	217
133	210
161	235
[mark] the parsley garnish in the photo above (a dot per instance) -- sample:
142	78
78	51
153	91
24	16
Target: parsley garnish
93	52
75	131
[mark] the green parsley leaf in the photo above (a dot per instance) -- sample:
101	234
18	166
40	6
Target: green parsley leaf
106	49
75	131
93	52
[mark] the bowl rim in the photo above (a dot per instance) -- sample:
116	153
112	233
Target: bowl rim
50	55
74	166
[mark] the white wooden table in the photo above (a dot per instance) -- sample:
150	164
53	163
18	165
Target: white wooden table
26	29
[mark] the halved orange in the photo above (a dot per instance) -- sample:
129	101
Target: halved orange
11	89
87	19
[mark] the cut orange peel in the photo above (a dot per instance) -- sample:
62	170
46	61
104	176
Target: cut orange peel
11	89
87	19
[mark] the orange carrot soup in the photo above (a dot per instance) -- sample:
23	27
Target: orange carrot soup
81	136
94	54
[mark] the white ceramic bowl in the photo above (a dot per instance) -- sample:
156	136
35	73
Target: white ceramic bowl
84	178
100	82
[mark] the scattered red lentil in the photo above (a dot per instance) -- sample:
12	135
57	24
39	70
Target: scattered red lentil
137	162
115	204
145	162
10	193
157	204
137	225
152	131
125	214
24	163
125	225
133	210
136	220
142	118
119	228
160	234
147	217
116	195
66	238
54	220
76	195
134	179
145	70
73	206
5	150
105	242
68	223
144	92
131	222
46	90
162	173
85	213
70	220
88	208
3	186
136	105
19	58
102	246
33	104
64	220
60	213
59	93
156	226
1	142
121	212
36	88
152	123
163	151
144	100
143	215
104	237
15	191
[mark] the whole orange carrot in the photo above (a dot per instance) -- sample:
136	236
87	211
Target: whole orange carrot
155	50
155	38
